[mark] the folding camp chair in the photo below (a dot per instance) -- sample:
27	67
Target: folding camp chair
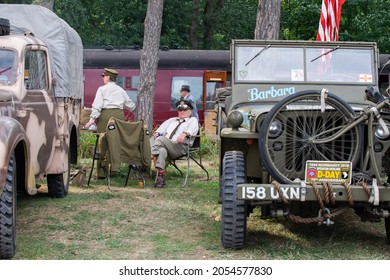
192	153
127	142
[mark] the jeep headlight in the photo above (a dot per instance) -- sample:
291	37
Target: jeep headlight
275	129
235	119
380	132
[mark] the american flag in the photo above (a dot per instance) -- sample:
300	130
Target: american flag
330	20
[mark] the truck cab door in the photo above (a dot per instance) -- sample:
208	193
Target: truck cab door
39	121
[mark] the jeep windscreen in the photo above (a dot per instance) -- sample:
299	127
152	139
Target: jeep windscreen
340	65
7	67
295	64
268	63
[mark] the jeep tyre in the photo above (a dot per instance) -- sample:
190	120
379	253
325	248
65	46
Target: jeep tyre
4	27
8	213
234	211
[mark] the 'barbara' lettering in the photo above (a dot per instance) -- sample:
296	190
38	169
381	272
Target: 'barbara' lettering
255	94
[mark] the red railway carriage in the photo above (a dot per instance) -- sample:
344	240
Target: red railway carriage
203	70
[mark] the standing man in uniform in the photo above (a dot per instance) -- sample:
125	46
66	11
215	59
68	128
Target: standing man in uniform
110	100
185	95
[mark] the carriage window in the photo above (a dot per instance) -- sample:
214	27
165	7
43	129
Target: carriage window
130	85
196	86
35	76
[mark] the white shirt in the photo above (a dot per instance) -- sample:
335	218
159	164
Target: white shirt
190	125
110	96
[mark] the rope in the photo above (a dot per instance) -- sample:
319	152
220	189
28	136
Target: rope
318	195
328	190
277	187
365	187
328	199
325	216
349	193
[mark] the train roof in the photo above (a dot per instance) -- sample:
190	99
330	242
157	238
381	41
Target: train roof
168	59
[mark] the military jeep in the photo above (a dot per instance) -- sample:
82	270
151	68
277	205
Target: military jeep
295	136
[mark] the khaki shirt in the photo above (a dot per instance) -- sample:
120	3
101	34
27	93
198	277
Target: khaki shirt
110	96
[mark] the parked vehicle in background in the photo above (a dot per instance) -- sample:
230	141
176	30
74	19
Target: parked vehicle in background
41	90
303	134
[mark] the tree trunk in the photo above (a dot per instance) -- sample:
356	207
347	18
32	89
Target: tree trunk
194	24
149	62
212	10
268	20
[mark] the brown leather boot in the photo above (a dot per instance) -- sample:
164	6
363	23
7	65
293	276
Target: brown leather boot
160	179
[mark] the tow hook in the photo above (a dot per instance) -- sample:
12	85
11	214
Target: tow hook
327	221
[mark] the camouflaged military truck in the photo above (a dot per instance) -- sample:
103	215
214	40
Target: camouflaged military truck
303	134
41	86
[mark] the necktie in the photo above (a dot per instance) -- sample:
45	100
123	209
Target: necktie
174	131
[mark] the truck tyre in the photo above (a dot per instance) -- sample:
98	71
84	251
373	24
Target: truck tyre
4	27
8	213
234	211
387	227
58	184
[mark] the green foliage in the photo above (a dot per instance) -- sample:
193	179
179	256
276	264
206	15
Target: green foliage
16	1
367	21
361	20
209	146
87	144
120	23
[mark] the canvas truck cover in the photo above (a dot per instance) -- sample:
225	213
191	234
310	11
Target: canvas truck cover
64	44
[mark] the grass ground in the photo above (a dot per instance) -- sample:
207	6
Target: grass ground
175	223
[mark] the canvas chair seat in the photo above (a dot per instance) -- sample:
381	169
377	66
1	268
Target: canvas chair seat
126	142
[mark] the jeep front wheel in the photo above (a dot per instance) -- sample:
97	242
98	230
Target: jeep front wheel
8	213
234	211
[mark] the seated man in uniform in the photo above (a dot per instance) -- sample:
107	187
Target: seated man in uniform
172	138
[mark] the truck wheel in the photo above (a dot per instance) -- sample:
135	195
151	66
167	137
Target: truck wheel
387	227
4	26
8	213
58	184
234	211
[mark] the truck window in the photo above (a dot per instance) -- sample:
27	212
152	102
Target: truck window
35	75
7	67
